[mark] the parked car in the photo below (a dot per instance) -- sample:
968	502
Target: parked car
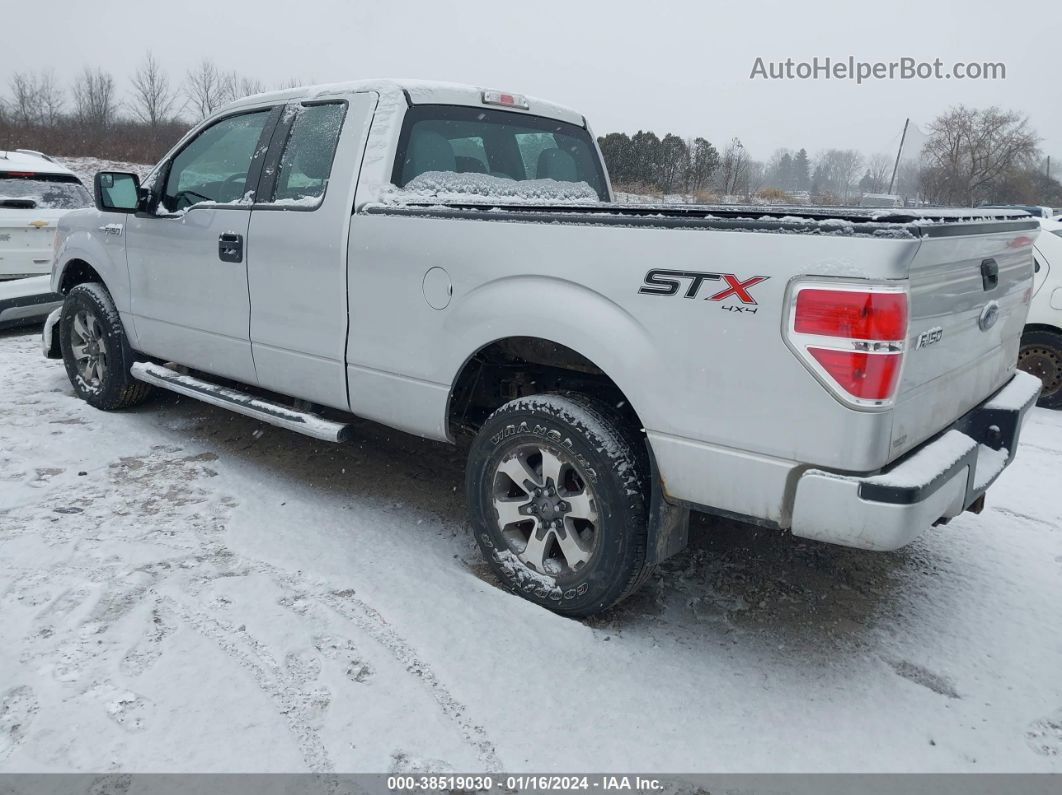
1037	210
35	192
27	301
1041	342
448	261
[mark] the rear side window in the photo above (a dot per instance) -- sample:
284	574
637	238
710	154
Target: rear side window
504	144
29	190
306	164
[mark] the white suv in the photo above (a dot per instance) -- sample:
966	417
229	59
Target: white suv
35	192
1041	343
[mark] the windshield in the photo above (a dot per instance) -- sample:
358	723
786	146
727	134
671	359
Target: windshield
46	191
504	144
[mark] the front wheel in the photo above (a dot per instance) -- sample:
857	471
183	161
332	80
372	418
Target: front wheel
1041	355
556	488
95	350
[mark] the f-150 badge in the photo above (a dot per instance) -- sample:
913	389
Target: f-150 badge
930	337
669	282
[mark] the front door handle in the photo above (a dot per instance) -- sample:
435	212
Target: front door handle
230	247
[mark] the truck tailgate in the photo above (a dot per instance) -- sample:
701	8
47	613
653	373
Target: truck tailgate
969	296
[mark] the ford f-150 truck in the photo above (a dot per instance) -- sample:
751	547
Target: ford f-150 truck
450	262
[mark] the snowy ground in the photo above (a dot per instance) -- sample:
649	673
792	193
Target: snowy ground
86	167
184	589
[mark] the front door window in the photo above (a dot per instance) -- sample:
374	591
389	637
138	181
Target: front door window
213	168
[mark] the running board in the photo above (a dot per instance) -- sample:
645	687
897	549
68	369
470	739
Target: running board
242	403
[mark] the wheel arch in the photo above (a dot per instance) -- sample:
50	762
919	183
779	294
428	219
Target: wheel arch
566	325
77	271
527	364
1041	327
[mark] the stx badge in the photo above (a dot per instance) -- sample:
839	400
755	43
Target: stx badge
668	282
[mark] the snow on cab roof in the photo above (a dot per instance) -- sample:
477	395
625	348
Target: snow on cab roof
419	92
28	160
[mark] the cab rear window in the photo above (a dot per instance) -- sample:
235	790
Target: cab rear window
505	144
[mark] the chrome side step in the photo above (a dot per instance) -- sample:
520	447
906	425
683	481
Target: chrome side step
283	417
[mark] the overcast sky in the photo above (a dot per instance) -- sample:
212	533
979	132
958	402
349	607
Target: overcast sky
666	66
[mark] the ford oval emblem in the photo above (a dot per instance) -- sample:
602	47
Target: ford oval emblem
989	316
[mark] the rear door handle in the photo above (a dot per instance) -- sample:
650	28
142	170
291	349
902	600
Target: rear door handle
989	274
230	247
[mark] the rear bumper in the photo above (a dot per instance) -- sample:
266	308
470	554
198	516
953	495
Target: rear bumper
25	262
934	483
19	309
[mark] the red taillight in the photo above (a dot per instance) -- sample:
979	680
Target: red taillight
852	338
851	314
867	376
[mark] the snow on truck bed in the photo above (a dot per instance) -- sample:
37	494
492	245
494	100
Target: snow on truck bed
185	589
459	194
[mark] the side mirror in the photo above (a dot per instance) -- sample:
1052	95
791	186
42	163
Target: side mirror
117	191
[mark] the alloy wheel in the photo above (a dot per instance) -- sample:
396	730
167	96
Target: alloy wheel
546	510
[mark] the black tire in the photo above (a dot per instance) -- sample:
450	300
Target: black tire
111	387
1041	354
604	465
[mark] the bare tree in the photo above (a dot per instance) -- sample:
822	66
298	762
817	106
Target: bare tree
836	171
23	102
94	102
734	168
203	89
154	100
35	98
879	167
293	82
970	152
849	161
233	86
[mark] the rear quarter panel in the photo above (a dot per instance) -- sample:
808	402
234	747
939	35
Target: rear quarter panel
693	368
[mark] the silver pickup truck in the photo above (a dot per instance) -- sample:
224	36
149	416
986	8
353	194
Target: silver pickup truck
449	261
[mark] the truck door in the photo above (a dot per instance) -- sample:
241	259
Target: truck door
188	261
297	273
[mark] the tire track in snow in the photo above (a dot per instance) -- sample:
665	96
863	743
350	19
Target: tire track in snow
297	705
368	619
17	708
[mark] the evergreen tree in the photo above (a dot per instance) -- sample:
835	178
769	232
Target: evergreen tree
785	172
645	151
866	185
801	174
673	160
616	150
704	160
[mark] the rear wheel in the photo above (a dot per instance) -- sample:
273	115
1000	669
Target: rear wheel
1041	355
96	352
556	487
